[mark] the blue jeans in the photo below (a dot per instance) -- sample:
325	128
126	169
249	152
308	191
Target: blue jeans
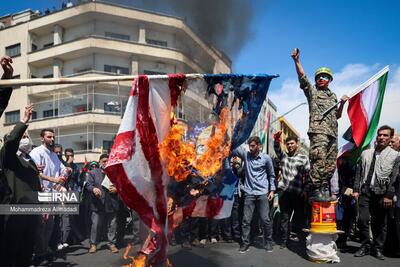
262	204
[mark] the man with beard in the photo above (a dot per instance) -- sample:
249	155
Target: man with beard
53	175
295	166
323	128
104	206
258	190
22	175
374	190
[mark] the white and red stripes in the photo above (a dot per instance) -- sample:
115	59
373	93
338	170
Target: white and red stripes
361	110
134	165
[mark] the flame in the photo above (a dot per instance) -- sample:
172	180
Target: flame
139	260
180	156
216	148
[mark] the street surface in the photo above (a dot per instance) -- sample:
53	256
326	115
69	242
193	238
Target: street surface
215	255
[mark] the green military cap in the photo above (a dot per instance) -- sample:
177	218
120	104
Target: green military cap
324	70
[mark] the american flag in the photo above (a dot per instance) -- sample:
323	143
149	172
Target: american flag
135	166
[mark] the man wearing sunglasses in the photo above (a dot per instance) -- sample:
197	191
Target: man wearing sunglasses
323	129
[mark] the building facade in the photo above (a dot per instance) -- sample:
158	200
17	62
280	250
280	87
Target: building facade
266	125
97	39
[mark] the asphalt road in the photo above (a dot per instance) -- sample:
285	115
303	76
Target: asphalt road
215	255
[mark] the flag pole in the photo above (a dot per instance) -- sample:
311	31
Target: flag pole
75	80
361	87
51	81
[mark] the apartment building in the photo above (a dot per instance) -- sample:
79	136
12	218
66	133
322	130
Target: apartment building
267	120
97	39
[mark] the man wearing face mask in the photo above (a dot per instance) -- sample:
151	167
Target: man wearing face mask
16	247
53	175
323	129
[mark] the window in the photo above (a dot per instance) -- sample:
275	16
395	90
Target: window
48	45
50	112
117	36
48	76
116	69
157	42
12	116
107	145
150	72
34	115
112	106
34	47
16	76
13	50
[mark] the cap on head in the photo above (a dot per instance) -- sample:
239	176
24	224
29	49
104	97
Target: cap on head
324	70
94	163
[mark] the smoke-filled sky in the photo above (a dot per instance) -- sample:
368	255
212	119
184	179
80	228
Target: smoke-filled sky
355	38
223	23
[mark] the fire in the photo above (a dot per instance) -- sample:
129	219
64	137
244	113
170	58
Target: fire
180	156
139	260
217	148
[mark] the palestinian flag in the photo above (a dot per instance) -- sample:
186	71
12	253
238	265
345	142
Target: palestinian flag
364	112
266	126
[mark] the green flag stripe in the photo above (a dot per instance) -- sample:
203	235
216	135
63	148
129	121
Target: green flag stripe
355	155
377	114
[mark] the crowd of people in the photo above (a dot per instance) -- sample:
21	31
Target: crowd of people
272	200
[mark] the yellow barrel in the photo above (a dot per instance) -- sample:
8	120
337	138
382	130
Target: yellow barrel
323	217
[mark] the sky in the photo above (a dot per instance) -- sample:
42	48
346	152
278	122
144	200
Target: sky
355	38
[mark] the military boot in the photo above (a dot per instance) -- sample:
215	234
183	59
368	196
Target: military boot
321	194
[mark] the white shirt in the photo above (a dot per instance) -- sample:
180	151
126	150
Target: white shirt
52	165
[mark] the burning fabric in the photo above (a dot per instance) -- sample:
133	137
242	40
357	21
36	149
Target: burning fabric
150	148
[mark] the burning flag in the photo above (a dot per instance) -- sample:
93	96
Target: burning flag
145	137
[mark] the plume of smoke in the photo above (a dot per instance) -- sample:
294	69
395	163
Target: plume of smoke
223	23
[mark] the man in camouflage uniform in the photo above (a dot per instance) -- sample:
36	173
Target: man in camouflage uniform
323	129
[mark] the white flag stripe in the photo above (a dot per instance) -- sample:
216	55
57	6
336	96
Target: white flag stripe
160	106
129	120
138	171
370	99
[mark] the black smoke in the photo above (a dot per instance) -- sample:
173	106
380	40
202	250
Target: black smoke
225	24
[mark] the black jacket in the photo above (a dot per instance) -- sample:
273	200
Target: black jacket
388	190
5	94
106	202
22	176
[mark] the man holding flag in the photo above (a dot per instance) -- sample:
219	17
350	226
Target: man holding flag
323	129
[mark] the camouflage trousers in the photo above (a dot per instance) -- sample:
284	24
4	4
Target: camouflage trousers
323	152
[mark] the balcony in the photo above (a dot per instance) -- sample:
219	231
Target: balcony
77	109
104	45
85	140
